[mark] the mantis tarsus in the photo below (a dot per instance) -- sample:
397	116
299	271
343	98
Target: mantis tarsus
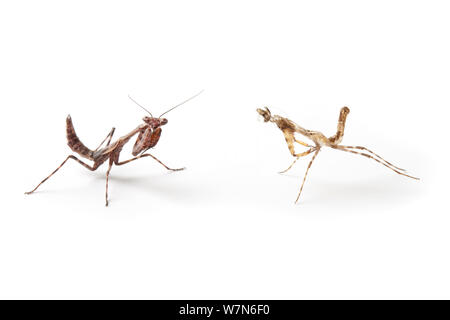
148	136
289	128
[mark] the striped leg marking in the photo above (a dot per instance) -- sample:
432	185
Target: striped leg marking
306	173
302	143
342	148
370	151
297	157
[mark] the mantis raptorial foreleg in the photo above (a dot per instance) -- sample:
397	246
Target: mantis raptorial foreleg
298	156
290	139
302	143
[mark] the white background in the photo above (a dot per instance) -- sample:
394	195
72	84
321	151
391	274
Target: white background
227	227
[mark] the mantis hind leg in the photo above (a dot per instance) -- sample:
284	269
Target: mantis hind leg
92	168
343	148
373	153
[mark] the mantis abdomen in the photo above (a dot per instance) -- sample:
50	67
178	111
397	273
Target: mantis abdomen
74	142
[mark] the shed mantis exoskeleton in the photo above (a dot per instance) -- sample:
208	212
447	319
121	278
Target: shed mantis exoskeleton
149	134
289	128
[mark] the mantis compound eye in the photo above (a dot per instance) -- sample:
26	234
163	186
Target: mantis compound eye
164	121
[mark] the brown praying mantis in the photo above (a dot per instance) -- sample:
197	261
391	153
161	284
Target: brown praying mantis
289	128
149	134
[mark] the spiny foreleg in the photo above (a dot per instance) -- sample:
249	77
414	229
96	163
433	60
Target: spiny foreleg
302	143
290	139
298	156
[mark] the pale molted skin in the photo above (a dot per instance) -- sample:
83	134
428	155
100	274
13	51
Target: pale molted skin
289	128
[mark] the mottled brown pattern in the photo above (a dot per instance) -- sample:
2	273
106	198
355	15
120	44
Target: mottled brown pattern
289	128
138	145
74	143
149	134
147	139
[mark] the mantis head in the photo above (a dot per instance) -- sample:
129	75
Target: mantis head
158	122
155	122
265	113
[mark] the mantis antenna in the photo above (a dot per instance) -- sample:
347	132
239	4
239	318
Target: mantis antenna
140	105
181	103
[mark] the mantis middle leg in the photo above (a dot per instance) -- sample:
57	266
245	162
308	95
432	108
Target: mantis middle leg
108	137
306	173
107	180
147	155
